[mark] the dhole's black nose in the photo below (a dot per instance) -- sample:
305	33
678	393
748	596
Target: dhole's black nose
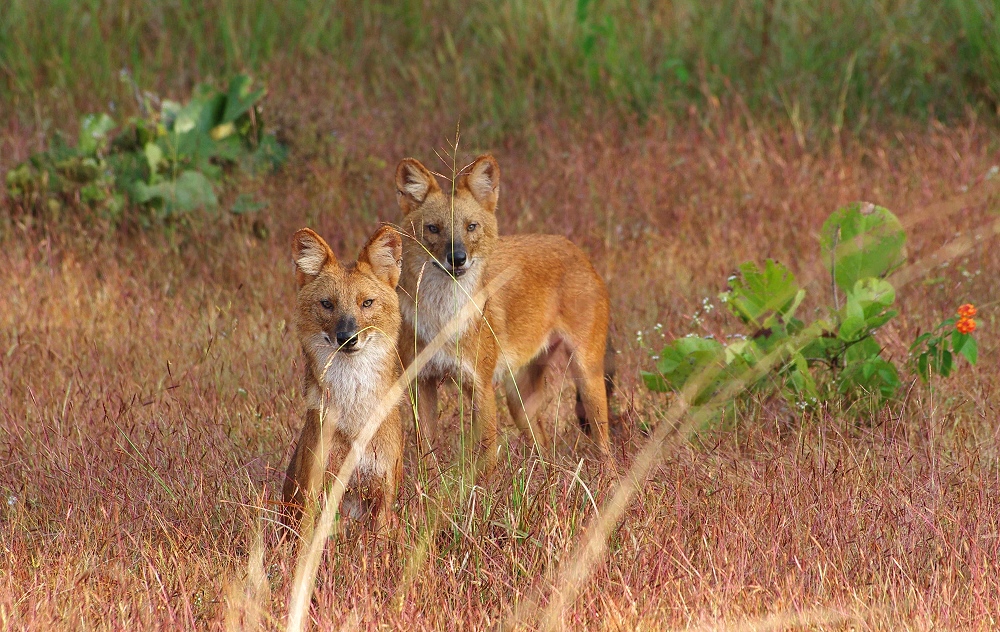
457	256
347	339
347	333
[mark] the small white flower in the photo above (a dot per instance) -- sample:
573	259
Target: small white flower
12	500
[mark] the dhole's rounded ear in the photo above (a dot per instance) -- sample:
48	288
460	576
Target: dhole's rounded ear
413	184
482	180
384	254
310	254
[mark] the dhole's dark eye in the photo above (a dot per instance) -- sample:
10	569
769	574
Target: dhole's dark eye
471	227
326	303
434	229
368	303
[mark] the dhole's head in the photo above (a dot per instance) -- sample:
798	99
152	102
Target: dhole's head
351	311
454	231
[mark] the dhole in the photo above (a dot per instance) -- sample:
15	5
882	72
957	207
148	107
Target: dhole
554	305
347	320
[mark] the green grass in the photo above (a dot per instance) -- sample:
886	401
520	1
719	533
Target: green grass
827	65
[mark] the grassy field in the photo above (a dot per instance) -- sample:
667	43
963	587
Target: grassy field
825	66
150	384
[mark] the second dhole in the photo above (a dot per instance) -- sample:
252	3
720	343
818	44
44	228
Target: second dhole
554	305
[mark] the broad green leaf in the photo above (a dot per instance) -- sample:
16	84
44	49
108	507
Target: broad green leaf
958	340
94	130
919	341
187	118
823	348
871	290
862	350
873	375
874	322
854	320
154	156
859	241
801	381
755	294
685	353
239	98
682	359
654	382
229	148
970	350
190	191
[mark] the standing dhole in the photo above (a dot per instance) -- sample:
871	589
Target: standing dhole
347	320
553	305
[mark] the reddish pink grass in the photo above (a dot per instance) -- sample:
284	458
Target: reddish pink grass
150	393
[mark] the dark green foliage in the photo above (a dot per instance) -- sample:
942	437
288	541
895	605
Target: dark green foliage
164	164
835	356
861	241
935	351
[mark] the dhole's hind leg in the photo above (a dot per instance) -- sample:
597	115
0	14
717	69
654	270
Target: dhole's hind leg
592	398
609	387
525	394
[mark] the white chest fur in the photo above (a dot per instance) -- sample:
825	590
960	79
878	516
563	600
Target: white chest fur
439	299
354	389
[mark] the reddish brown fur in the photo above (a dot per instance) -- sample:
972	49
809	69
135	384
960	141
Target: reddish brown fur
554	304
347	383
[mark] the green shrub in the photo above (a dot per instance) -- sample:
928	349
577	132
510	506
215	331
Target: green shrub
834	357
164	164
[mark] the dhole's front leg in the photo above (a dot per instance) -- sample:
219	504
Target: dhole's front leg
307	469
385	515
424	412
427	413
484	424
387	449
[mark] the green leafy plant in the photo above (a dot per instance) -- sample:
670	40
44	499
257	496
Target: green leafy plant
835	355
935	351
165	164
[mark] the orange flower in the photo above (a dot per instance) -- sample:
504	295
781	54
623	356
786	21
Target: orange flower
965	325
967	311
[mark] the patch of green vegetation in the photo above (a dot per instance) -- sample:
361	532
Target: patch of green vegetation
164	163
833	358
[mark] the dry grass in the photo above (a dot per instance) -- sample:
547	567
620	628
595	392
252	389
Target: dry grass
151	390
